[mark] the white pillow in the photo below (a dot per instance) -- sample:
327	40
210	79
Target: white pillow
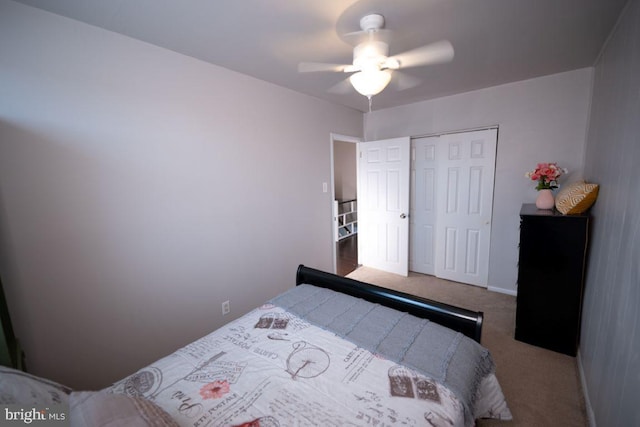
490	402
98	408
21	388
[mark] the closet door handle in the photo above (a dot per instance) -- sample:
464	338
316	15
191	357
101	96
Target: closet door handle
403	215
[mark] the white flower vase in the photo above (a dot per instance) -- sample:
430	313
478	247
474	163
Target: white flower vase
545	199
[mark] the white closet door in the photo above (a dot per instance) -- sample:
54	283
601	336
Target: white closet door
383	205
424	172
466	167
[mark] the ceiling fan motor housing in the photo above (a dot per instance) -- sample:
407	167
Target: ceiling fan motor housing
370	54
372	22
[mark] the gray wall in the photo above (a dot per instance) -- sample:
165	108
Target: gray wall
543	119
610	345
140	188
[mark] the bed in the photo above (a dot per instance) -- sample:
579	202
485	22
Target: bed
331	351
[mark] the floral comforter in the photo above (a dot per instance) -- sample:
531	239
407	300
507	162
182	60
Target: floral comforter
273	368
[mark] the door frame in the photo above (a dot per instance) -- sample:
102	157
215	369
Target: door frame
332	138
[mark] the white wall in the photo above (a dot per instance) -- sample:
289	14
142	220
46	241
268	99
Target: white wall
542	119
140	188
610	344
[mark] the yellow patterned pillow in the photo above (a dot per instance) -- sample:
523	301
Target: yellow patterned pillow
576	198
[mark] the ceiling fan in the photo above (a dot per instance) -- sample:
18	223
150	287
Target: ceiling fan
372	66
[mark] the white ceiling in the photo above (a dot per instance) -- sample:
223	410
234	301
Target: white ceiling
495	41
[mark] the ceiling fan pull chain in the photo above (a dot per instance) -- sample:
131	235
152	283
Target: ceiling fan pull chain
370	98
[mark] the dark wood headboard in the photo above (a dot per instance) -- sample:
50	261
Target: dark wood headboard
465	321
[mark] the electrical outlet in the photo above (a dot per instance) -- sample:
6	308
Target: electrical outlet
225	308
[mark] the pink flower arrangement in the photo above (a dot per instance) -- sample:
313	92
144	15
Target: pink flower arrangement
214	390
546	174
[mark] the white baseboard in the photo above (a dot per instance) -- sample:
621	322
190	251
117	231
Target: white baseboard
503	291
591	419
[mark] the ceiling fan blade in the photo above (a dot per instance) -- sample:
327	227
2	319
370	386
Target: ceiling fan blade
313	67
434	53
404	81
343	87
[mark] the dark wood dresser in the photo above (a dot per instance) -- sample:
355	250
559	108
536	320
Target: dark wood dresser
551	270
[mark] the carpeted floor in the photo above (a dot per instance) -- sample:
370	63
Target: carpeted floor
542	387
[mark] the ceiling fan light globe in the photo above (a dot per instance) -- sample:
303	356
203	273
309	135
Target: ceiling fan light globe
369	83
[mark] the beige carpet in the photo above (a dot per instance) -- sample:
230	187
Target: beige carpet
542	387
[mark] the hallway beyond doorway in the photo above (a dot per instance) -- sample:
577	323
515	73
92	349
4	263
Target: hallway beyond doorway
347	255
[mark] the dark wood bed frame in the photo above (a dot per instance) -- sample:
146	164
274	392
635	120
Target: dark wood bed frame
459	319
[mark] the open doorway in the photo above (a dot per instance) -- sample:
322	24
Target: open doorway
345	203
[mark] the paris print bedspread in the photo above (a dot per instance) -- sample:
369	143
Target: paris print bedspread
271	368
